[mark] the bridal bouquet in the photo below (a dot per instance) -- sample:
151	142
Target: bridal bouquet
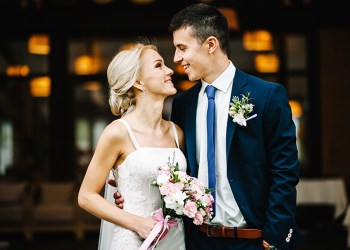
182	196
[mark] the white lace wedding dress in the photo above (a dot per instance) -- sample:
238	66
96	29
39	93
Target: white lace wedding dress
134	177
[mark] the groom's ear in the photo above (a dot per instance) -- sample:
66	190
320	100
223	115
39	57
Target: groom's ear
211	43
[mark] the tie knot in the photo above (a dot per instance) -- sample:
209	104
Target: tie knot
210	90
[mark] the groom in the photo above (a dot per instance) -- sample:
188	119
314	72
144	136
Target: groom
256	165
255	156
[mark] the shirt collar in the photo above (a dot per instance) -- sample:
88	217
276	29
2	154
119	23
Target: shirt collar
223	82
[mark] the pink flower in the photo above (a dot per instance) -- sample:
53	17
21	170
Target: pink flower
199	185
170	188
198	219
190	209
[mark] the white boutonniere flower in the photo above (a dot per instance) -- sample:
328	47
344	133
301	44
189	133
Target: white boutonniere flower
240	109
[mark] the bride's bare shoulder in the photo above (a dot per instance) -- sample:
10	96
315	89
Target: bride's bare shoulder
115	130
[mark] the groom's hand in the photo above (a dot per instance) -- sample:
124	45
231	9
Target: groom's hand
118	199
266	245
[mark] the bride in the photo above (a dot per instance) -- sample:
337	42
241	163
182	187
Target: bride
132	148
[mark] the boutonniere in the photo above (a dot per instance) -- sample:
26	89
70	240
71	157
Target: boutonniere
240	109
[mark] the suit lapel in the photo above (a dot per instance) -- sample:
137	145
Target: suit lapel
239	80
190	128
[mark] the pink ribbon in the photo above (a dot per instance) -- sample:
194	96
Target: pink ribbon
159	231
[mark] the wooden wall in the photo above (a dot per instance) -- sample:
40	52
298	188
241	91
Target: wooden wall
335	101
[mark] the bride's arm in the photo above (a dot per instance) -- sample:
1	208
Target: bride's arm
109	150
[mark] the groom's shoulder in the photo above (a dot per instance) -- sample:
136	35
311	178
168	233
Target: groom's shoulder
254	82
260	83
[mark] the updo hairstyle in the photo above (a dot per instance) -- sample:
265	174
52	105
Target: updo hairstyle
122	73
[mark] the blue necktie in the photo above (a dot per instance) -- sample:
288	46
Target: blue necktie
210	90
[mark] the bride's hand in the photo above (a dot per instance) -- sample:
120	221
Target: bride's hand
145	227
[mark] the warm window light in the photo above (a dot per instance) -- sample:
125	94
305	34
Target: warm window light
92	86
258	40
87	65
180	69
39	44
40	86
185	85
267	63
17	70
231	16
126	46
297	109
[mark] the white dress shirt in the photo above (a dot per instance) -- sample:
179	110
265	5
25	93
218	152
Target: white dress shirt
227	212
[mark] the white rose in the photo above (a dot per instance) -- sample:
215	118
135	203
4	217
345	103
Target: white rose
162	179
205	200
175	201
182	176
239	118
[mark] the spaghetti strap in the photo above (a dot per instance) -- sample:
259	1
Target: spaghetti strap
175	134
131	134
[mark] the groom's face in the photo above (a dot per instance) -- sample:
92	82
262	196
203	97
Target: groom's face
191	54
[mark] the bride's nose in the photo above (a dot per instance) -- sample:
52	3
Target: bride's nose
169	71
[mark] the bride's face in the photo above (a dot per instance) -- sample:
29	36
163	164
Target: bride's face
155	75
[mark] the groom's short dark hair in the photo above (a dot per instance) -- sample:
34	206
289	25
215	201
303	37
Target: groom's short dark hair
205	21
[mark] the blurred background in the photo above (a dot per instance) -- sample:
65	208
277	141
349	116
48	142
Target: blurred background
54	103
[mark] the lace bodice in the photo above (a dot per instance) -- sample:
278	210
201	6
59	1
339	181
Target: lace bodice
134	177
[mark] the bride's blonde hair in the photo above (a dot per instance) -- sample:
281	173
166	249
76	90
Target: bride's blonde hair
122	73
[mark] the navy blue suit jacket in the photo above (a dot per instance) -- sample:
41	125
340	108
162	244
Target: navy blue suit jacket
262	158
